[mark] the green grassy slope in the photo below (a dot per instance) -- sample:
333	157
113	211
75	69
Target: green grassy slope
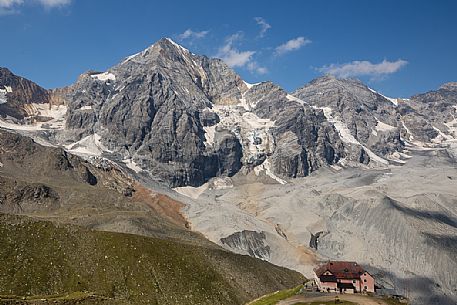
42	260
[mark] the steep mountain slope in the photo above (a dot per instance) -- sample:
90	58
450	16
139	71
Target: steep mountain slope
304	140
149	108
46	261
168	264
364	118
400	222
17	96
380	172
430	117
50	183
187	118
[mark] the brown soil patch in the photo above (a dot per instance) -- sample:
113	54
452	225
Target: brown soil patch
163	205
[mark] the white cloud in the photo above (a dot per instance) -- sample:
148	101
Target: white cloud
236	58
54	3
292	45
264	26
10	3
8	7
364	68
189	34
231	55
254	67
12	6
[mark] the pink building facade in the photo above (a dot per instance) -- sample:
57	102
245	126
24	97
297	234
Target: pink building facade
343	277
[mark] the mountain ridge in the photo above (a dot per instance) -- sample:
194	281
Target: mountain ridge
260	171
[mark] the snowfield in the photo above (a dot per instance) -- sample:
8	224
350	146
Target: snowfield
56	113
105	76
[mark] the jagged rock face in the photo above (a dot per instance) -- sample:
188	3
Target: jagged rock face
19	157
16	93
304	140
21	198
371	118
432	114
153	107
250	242
181	117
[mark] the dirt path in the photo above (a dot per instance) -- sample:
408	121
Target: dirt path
358	299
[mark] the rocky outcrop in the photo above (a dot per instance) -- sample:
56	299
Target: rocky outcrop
431	116
250	242
17	197
304	139
185	119
371	119
152	107
181	117
21	156
16	93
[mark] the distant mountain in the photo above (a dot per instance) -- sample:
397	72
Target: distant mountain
370	118
380	171
431	116
17	95
187	118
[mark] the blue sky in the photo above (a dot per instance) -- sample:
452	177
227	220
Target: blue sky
398	47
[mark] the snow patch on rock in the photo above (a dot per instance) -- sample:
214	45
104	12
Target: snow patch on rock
178	45
190	191
55	112
128	58
132	165
253	132
347	137
250	85
3	92
210	132
266	166
105	76
6	89
87	107
380	126
88	146
392	100
292	98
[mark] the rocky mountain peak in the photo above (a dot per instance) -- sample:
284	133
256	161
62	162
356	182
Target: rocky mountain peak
5	72
166	46
331	82
364	117
451	86
16	93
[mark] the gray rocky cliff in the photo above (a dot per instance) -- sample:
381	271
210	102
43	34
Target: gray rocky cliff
186	118
16	93
371	118
152	107
430	115
304	139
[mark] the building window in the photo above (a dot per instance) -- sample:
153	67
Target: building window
353	281
365	280
365	287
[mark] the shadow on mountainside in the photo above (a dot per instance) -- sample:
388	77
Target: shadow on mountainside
420	290
428	215
446	242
